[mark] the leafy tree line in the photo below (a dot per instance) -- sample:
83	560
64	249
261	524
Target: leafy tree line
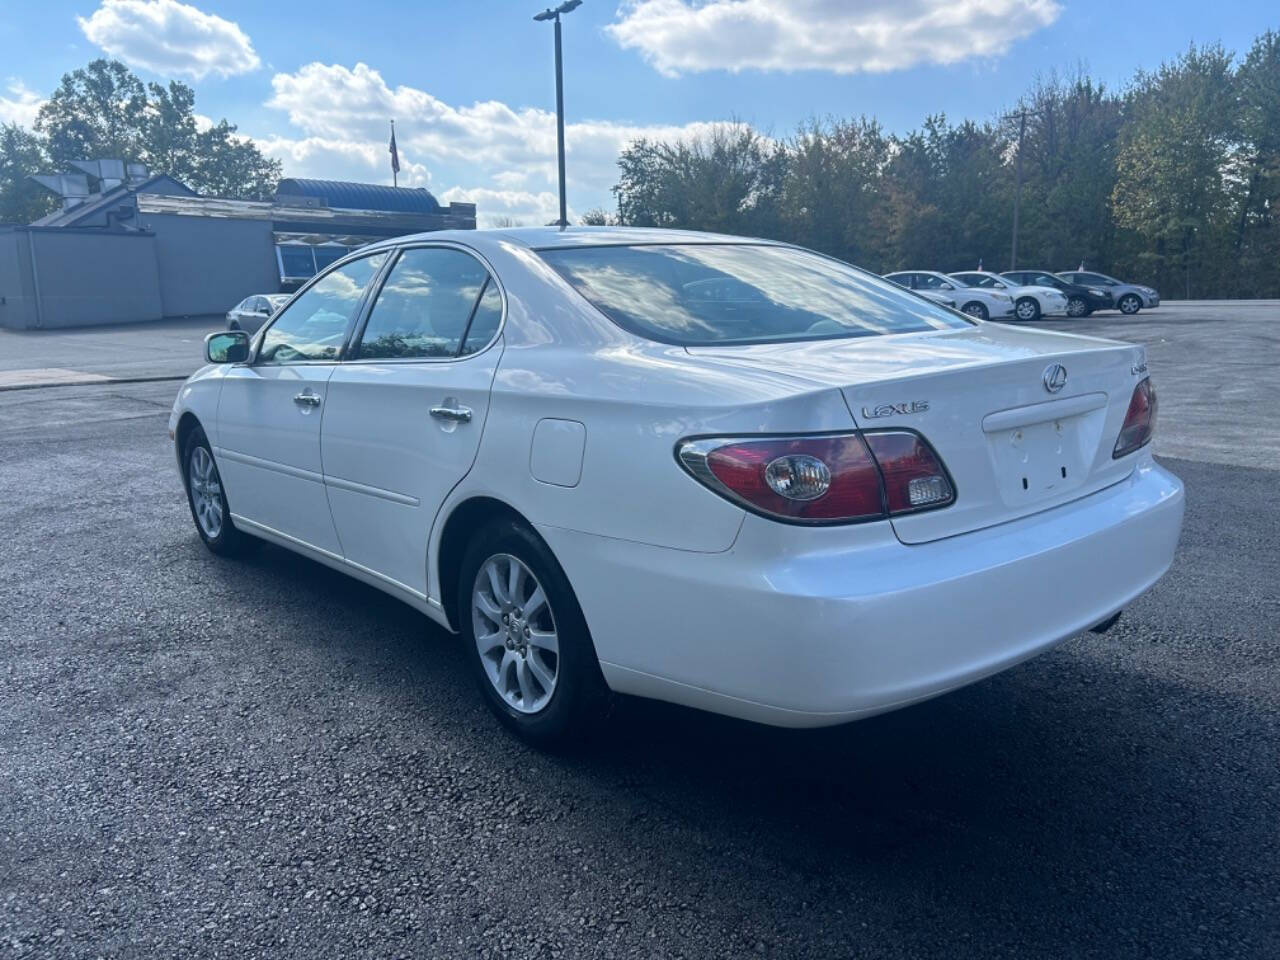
103	110
1174	181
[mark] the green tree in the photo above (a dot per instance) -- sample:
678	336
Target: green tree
1257	234
167	134
1069	172
1180	123
103	110
727	180
831	195
21	155
229	165
96	111
949	197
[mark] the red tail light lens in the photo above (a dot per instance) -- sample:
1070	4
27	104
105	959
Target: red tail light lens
843	478
913	475
1139	422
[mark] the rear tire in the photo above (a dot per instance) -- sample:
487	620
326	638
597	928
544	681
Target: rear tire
1027	309
526	638
976	309
1078	307
1129	304
208	499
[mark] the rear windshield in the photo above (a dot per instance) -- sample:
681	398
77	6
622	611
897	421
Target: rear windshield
701	294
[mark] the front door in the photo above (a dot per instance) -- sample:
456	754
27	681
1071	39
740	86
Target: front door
404	413
271	409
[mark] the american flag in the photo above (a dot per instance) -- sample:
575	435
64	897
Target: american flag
395	154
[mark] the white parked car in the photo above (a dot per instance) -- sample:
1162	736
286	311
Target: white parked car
975	301
1029	302
252	312
731	474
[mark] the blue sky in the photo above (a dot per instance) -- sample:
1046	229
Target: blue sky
470	82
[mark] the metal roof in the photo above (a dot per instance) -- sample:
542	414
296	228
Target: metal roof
360	196
160	183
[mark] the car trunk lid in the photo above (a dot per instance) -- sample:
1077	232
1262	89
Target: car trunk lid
982	399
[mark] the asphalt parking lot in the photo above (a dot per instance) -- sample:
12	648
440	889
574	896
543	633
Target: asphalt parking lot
264	758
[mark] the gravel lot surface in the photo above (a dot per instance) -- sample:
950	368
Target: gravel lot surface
263	758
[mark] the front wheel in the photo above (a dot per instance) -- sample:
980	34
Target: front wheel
976	309
208	499
527	639
1130	304
1078	307
1027	309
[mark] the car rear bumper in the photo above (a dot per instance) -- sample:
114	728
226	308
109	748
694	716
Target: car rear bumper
816	626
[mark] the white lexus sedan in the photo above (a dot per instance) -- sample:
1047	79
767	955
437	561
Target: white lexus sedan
727	473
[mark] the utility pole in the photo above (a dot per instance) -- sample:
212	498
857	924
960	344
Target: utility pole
1017	190
554	14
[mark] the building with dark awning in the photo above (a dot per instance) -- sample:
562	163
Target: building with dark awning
127	245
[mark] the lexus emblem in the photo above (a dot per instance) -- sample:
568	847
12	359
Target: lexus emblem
1055	377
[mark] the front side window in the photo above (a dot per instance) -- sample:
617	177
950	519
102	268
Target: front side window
432	296
315	325
705	294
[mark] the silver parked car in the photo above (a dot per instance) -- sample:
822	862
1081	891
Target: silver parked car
252	312
1129	297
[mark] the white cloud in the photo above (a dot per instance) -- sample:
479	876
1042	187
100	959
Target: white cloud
21	105
500	157
168	37
871	36
516	207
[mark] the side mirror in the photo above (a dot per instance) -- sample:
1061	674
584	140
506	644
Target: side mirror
226	346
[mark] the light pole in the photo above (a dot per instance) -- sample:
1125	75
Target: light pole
1022	114
554	14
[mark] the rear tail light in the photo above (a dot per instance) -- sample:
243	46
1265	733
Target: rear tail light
842	478
1139	421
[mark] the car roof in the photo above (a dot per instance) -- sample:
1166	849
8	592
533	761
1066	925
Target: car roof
548	238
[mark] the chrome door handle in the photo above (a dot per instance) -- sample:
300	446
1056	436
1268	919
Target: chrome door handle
455	414
307	400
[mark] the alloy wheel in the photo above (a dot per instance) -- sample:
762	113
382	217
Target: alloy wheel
515	633
206	492
1129	304
1076	307
1027	310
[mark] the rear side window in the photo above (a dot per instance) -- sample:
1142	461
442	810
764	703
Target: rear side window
703	294
485	321
426	306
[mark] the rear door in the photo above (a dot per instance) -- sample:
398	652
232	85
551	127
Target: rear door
404	413
270	410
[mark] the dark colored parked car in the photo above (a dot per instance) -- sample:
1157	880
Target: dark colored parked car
1082	299
1129	297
